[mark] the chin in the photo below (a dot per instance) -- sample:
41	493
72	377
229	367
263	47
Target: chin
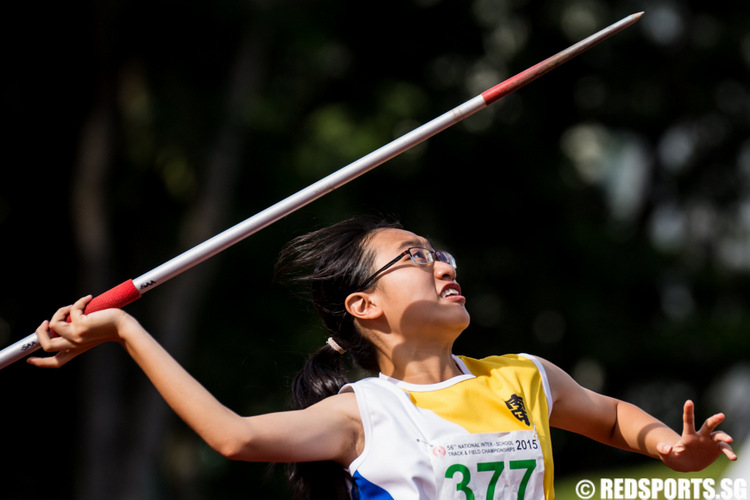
461	326
467	319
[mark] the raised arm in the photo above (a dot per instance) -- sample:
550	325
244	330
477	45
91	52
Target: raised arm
330	430
623	425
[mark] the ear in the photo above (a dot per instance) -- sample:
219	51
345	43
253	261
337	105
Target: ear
361	306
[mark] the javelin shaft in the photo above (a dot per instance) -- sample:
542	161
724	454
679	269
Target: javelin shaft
131	290
311	193
316	190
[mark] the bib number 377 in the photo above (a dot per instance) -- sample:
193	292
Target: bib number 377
505	466
496	469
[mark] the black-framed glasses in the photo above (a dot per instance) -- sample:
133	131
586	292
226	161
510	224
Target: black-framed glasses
418	255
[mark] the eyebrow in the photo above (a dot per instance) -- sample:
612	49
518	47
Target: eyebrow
415	243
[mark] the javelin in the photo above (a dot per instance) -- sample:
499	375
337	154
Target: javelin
131	290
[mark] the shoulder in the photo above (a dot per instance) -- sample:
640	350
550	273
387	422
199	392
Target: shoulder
343	404
565	391
339	411
340	422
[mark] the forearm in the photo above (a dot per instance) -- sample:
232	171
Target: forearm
626	426
636	430
197	407
603	418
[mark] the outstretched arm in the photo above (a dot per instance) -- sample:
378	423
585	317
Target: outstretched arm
329	430
623	425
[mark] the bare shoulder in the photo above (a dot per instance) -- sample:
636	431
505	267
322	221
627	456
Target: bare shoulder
559	380
345	420
328	430
342	405
576	408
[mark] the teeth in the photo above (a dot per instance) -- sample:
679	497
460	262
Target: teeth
449	292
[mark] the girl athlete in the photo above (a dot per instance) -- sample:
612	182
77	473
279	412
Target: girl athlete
431	424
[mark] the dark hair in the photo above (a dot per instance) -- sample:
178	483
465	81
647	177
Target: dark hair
332	262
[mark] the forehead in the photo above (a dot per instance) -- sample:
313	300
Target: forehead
396	240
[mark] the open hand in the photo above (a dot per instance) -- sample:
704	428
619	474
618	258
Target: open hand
697	449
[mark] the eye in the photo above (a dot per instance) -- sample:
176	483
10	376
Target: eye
421	256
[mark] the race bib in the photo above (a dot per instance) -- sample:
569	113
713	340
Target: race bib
493	466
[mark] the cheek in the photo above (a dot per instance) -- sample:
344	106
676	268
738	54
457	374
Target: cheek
410	285
401	296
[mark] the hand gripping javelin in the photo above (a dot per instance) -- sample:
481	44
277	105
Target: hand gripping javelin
131	290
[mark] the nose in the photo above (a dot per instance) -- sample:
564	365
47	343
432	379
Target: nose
443	270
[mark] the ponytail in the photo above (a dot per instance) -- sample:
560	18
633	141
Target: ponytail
332	262
320	377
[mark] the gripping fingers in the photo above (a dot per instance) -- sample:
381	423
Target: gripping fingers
50	344
47	341
61	335
50	362
43	335
65	349
61	320
60	314
78	309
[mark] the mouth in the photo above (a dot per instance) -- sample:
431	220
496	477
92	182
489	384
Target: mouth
452	291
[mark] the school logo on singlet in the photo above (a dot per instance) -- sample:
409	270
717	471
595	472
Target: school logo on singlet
517	408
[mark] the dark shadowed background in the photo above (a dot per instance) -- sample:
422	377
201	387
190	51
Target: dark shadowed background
600	216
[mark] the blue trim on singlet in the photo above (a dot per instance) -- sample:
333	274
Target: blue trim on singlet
368	491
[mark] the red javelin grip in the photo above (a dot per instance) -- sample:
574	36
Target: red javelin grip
116	297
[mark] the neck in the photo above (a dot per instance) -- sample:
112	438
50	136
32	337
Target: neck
420	364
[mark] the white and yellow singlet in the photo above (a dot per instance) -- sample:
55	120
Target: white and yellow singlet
481	435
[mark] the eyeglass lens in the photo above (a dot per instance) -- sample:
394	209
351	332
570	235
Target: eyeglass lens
424	256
